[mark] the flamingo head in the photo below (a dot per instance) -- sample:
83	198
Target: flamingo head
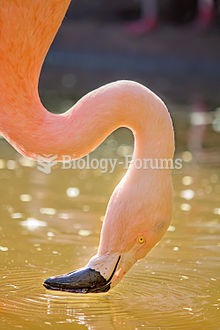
104	270
123	242
119	249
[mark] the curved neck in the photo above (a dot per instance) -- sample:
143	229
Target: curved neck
32	130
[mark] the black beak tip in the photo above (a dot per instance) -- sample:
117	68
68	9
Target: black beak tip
48	283
82	281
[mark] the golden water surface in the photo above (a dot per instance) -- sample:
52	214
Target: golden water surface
50	224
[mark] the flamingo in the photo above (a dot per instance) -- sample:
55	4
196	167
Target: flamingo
140	208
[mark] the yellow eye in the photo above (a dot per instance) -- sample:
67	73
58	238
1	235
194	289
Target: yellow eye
141	239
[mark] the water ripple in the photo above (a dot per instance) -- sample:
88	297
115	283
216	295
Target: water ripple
166	296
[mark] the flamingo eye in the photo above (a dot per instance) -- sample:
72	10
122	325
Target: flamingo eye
141	239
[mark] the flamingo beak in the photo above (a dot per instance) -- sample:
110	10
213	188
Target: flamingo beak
85	280
80	281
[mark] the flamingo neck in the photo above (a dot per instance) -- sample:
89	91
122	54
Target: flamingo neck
26	32
32	130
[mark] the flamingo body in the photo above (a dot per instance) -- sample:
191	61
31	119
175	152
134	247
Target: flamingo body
140	208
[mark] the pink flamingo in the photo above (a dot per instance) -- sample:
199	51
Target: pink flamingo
139	210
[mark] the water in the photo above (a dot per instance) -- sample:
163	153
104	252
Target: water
50	224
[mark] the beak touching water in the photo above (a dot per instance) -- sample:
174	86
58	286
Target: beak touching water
96	277
103	271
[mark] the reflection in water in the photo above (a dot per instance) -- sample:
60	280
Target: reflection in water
50	224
